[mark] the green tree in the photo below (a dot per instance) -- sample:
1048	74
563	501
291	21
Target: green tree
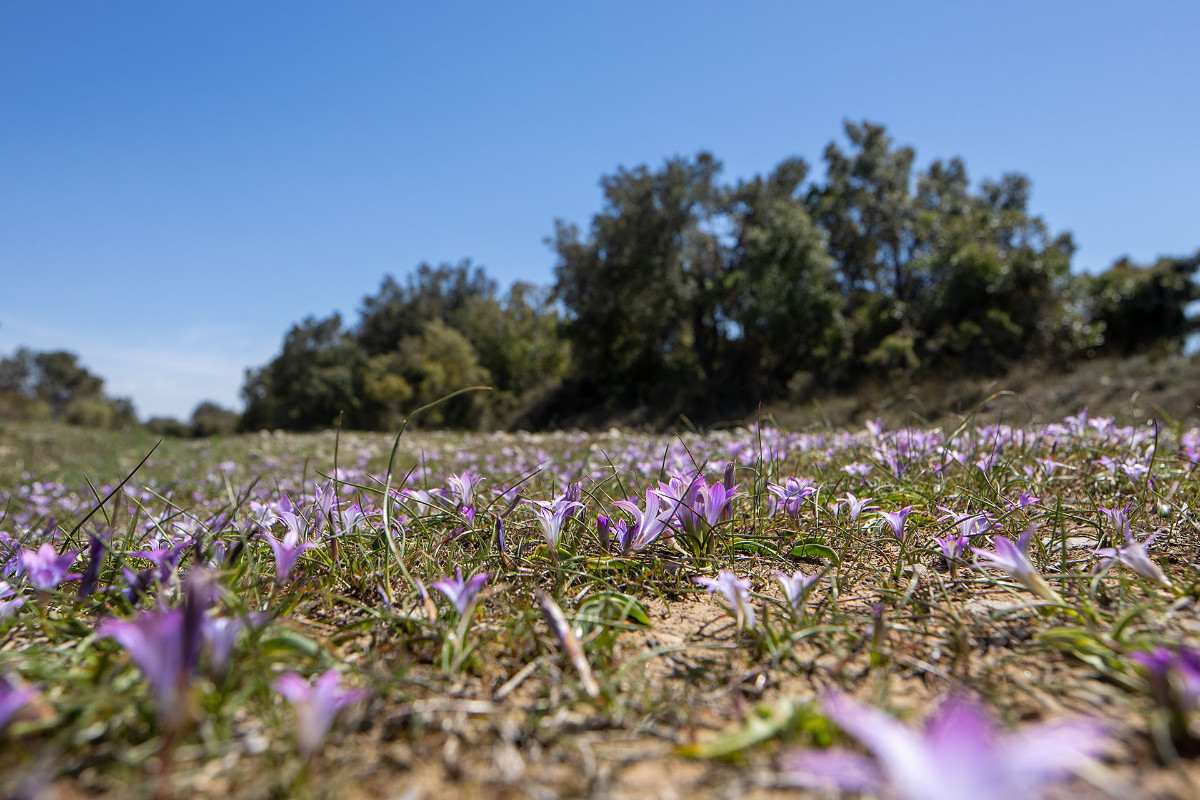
55	384
447	293
638	291
212	419
316	377
1143	308
785	302
867	209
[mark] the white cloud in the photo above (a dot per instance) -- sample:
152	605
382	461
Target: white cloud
167	373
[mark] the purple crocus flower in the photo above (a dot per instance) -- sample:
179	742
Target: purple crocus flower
8	603
736	591
1134	554
648	524
13	700
1014	559
287	551
713	504
790	496
1119	517
165	558
895	521
855	506
462	490
960	754
795	588
1174	676
952	546
220	633
155	641
552	516
316	705
968	525
461	593
45	568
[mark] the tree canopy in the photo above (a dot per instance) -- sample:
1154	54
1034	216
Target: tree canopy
694	295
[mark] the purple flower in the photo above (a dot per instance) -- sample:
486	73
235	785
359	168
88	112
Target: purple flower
960	754
714	504
9	606
855	506
795	588
220	633
552	516
1174	676
462	489
461	593
952	546
895	521
1024	500
568	641
45	568
790	496
13	700
1014	559
968	525
287	551
648	524
1119	517
736	591
155	642
316	705
166	559
1134	554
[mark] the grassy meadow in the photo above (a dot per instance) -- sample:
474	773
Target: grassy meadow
970	610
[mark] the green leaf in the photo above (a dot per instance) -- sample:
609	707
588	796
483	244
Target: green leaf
290	642
763	723
815	549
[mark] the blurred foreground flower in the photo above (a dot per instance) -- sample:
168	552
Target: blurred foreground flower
316	705
165	644
569	642
736	591
45	568
155	642
1174	677
8	603
13	700
960	754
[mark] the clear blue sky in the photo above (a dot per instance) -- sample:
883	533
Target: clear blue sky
182	181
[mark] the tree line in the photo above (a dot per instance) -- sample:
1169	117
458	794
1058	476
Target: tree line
689	294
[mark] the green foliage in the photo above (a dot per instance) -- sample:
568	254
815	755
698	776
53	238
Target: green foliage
314	380
639	291
1141	308
168	427
686	295
211	419
786	301
38	386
